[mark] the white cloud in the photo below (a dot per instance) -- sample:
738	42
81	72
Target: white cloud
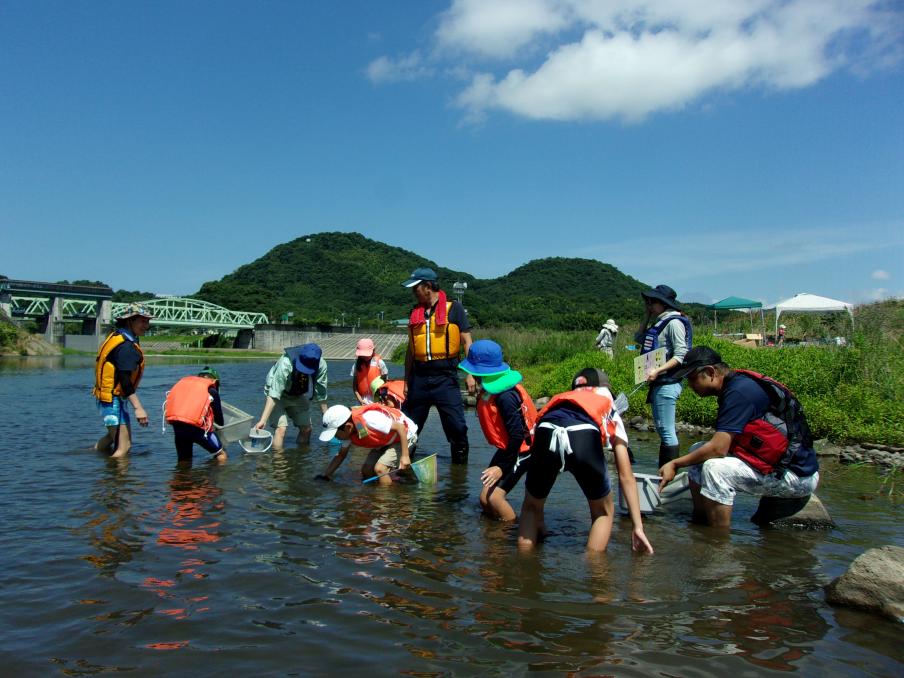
404	68
626	59
880	275
727	252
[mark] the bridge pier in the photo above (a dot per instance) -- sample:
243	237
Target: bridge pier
53	332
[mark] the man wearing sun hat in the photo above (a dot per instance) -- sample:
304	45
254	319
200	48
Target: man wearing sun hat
438	331
117	373
606	338
762	444
297	379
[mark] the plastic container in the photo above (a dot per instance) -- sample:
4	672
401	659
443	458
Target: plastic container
257	440
647	493
235	424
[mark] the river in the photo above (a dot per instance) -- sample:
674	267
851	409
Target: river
253	567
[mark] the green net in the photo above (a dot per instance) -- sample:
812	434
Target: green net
425	470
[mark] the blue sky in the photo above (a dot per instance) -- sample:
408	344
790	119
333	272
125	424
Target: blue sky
751	148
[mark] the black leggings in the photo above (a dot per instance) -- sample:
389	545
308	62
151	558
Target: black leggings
187	436
587	463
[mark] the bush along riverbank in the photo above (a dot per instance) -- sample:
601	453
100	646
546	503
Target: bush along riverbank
853	395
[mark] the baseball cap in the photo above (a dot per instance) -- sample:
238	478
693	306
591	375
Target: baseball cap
333	419
420	275
365	347
209	372
590	376
699	356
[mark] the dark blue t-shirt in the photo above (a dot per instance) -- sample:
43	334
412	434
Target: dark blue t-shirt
742	400
509	404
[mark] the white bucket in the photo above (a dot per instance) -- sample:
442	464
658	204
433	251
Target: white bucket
258	440
647	493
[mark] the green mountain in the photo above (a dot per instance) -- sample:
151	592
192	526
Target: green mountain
319	277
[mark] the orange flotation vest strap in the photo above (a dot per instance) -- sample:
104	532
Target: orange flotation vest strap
189	401
491	421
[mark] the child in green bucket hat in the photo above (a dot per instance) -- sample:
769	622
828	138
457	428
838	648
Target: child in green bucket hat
507	414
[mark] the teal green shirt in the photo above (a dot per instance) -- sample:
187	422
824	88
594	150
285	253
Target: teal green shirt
280	375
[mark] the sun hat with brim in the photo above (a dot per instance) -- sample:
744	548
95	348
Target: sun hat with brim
484	358
305	358
663	293
333	419
697	357
420	275
497	383
365	347
133	309
376	385
610	324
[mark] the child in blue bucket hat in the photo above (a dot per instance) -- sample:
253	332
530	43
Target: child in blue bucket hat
507	414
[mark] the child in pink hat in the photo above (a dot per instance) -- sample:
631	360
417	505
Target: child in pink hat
368	366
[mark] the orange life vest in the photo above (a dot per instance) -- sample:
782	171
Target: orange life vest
105	372
493	427
595	403
189	402
395	388
365	437
364	377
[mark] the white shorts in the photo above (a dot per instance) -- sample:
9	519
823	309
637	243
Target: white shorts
721	479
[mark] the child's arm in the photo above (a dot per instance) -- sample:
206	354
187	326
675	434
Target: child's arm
404	455
335	463
639	541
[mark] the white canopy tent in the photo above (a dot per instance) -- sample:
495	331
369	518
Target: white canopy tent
811	303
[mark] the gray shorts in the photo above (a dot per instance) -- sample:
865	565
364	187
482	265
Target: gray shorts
294	408
721	479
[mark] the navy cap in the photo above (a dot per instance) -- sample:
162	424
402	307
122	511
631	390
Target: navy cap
420	275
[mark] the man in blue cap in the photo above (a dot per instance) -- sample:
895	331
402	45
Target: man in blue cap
438	331
298	378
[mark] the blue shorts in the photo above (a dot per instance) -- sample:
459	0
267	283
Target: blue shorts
115	413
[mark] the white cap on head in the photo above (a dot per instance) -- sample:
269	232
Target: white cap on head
333	419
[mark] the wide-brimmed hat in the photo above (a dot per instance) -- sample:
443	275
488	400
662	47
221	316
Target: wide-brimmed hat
610	324
697	357
365	347
333	419
305	358
133	309
420	275
663	293
484	358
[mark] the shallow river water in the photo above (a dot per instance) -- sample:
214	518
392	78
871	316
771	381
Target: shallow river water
253	567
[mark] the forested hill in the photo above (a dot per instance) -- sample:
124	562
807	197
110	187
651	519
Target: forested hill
320	276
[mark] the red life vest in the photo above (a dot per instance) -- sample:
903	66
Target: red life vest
365	437
778	438
395	388
189	402
590	400
493	427
364	377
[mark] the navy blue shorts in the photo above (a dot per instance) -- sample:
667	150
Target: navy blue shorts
587	463
188	435
510	479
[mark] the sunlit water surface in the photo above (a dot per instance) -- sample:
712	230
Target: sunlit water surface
255	568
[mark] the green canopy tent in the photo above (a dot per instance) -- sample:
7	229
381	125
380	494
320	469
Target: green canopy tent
739	304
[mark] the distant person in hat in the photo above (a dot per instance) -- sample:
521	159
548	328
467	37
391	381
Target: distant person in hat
438	332
664	326
117	373
781	336
192	407
507	415
573	432
368	366
762	444
375	429
605	340
298	378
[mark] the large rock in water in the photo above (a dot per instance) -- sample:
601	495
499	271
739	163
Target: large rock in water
874	582
807	512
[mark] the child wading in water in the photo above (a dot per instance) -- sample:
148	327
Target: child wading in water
573	431
368	366
507	415
192	408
